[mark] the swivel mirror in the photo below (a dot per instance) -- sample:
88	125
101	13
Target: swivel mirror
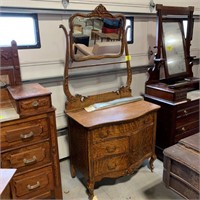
172	60
173	43
171	77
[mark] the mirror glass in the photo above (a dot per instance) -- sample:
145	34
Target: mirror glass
174	48
96	37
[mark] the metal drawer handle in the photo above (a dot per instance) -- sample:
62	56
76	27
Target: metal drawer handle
112	166
104	134
30	161
31	187
26	136
185	112
111	149
183	129
35	104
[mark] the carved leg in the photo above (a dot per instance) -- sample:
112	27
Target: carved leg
90	189
72	170
152	159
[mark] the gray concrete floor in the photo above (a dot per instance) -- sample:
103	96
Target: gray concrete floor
141	185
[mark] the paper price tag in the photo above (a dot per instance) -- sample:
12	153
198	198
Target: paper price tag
128	58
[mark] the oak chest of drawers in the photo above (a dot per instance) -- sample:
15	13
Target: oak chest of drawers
29	144
175	121
112	142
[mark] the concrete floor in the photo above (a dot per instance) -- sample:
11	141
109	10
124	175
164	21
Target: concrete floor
141	185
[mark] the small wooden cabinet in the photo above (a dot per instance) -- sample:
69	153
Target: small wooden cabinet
29	144
174	122
112	142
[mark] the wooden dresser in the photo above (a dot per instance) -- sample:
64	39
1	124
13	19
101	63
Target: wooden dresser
29	143
112	142
171	83
174	122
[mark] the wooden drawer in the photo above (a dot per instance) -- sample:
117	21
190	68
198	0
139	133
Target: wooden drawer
141	144
112	147
33	105
112	164
34	184
187	126
190	108
24	133
187	120
27	158
123	129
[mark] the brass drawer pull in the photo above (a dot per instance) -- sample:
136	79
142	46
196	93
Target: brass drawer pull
32	187
111	149
26	136
112	166
30	161
183	129
35	104
185	112
104	134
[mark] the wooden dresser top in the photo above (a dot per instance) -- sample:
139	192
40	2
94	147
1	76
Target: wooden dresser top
27	91
119	113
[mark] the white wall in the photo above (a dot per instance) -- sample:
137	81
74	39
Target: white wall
49	60
136	6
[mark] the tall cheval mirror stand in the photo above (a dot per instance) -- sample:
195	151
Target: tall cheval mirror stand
171	83
114	137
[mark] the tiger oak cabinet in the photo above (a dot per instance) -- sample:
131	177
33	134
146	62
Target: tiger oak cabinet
112	142
29	144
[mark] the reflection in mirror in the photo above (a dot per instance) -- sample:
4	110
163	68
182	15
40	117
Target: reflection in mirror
174	48
129	29
96	35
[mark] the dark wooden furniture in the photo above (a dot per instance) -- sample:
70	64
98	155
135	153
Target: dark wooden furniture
171	79
181	167
174	122
29	140
110	142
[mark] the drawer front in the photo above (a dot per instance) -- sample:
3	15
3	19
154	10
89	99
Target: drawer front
110	165
142	144
33	184
123	129
34	105
183	122
190	108
187	126
27	158
112	147
24	133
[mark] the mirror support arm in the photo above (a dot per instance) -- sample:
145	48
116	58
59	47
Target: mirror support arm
67	61
129	71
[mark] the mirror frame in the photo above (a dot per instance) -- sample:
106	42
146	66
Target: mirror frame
164	50
175	14
99	12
